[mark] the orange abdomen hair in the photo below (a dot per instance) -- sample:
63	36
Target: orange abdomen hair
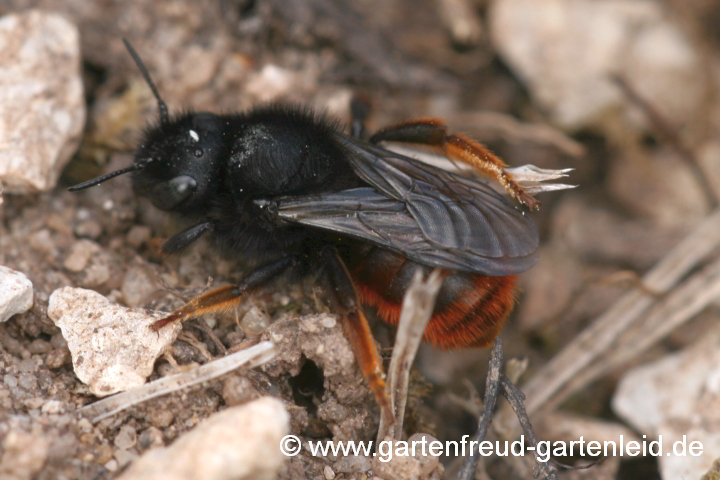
470	309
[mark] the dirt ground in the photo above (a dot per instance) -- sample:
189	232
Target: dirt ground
637	198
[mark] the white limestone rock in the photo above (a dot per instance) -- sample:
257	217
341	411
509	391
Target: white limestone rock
42	107
16	293
677	396
112	347
567	50
239	443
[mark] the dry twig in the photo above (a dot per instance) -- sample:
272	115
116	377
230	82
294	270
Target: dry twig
663	128
249	358
564	373
418	305
678	307
494	383
203	326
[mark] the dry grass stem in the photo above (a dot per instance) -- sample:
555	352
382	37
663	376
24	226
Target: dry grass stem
249	358
679	306
496	382
492	386
602	335
418	305
668	132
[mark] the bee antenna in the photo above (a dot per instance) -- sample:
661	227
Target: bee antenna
162	107
105	178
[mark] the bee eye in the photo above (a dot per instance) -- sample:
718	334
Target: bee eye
169	194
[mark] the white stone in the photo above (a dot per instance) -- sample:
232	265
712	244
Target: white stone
42	107
16	293
239	443
420	464
112	347
53	407
566	51
80	254
676	396
328	473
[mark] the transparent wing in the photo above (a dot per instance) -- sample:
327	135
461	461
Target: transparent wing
427	214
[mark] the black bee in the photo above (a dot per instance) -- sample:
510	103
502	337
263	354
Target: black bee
286	187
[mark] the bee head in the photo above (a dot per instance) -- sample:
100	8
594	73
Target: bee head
176	164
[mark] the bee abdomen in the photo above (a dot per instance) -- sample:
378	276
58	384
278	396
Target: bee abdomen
470	310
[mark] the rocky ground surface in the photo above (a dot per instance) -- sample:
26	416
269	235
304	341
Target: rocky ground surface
560	84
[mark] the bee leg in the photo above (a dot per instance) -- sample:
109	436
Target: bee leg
180	241
359	110
201	324
434	133
357	328
224	298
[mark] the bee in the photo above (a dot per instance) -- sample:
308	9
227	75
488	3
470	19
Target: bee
286	188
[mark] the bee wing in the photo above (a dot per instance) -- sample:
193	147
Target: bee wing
425	213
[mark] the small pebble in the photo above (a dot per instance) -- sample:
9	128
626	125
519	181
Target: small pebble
34	403
28	381
28	366
96	275
138	235
150	437
126	438
42	242
238	390
57	358
30	449
58	341
39	346
103	453
53	407
80	254
185	353
16	293
84	425
255	321
112	465
161	418
116	243
12	345
165	369
63	421
10	381
234	338
88	229
137	287
59	224
328	472
124	457
82	214
353	464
